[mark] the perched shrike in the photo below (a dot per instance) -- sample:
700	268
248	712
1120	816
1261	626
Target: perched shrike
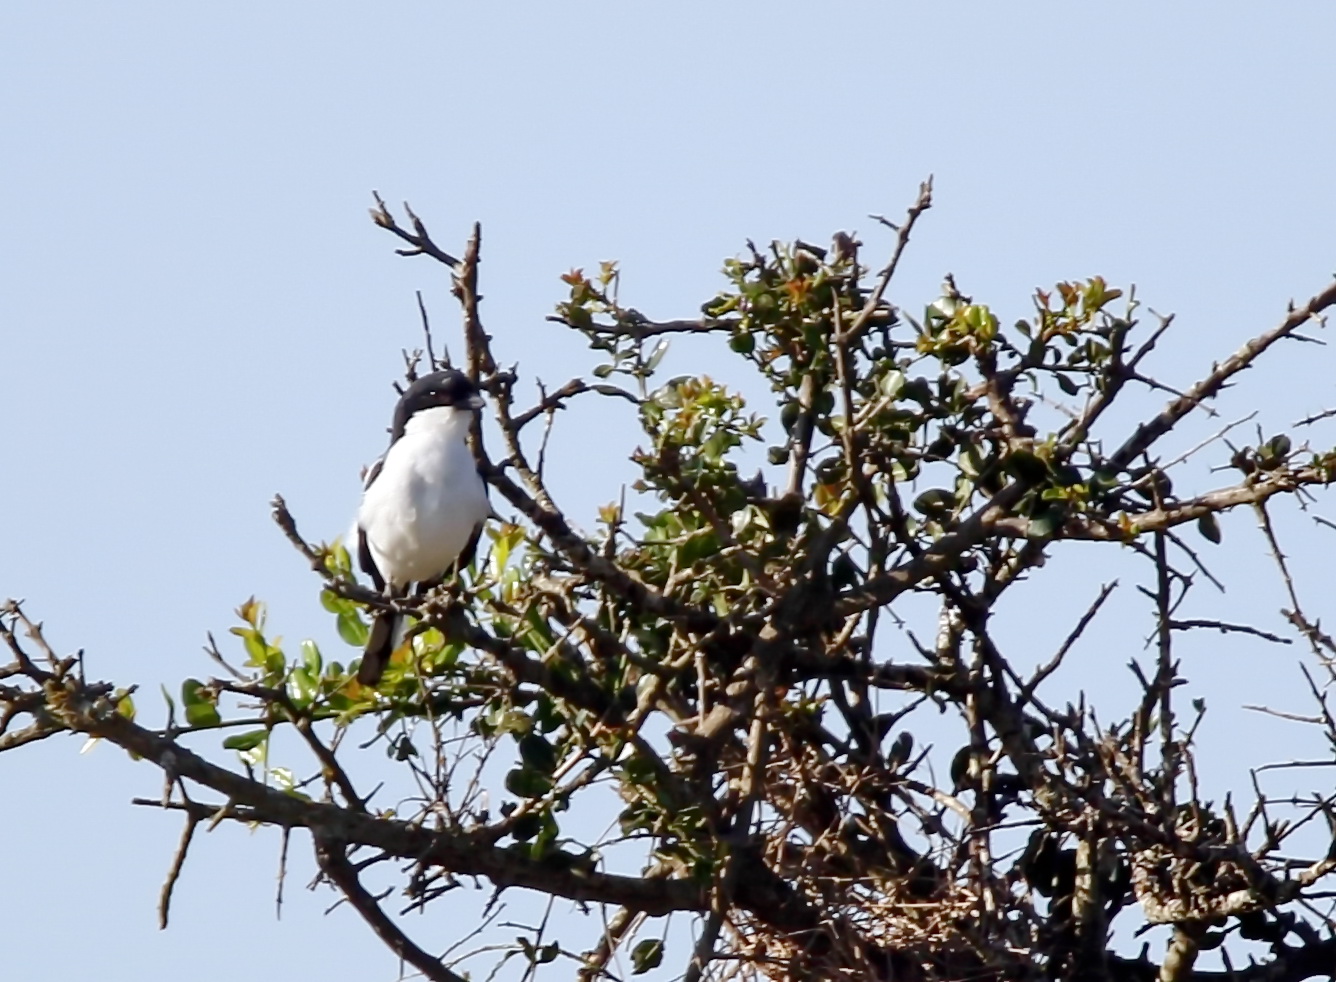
423	503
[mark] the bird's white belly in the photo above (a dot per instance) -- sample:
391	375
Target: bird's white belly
421	511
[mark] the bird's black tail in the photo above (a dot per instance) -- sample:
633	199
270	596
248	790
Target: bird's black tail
379	647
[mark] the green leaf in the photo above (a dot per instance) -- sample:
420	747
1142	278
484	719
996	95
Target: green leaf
311	658
546	842
638	769
538	754
504	720
1046	522
647	956
125	706
934	502
250	640
1026	465
444	657
190	692
546	714
1209	527
303	686
259	652
892	383
246	741
337	559
352	629
524	782
203	714
199	706
332	602
656	355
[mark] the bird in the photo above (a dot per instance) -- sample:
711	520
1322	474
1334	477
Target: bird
424	504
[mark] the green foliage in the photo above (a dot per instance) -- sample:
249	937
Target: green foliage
647	956
200	703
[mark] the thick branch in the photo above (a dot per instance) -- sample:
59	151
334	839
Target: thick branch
458	852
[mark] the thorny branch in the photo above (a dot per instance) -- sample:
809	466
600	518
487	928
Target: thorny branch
715	669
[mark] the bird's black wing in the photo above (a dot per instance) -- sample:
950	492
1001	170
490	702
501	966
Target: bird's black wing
470	548
364	558
367	562
379	648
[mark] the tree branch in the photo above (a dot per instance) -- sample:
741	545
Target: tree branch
333	859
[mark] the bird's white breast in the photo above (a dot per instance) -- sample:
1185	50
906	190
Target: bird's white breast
421	510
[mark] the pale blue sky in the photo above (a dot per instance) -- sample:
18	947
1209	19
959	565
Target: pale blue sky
196	312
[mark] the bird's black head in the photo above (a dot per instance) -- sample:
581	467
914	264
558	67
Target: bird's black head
449	388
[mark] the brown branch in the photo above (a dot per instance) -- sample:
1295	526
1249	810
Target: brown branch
329	764
174	873
557	400
1182	953
1166	669
1310	420
29	734
800	443
333	858
639	329
283	518
1226	628
1287	964
301	719
1148	432
902	232
458	852
1315	635
432	363
1168	515
1044	671
476	340
623	923
419	239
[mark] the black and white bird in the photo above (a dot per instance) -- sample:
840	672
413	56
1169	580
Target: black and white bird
423	503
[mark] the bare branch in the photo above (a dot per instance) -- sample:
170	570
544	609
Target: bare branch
334	863
1148	432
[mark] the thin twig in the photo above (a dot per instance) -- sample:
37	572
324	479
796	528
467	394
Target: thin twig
174	873
1226	628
